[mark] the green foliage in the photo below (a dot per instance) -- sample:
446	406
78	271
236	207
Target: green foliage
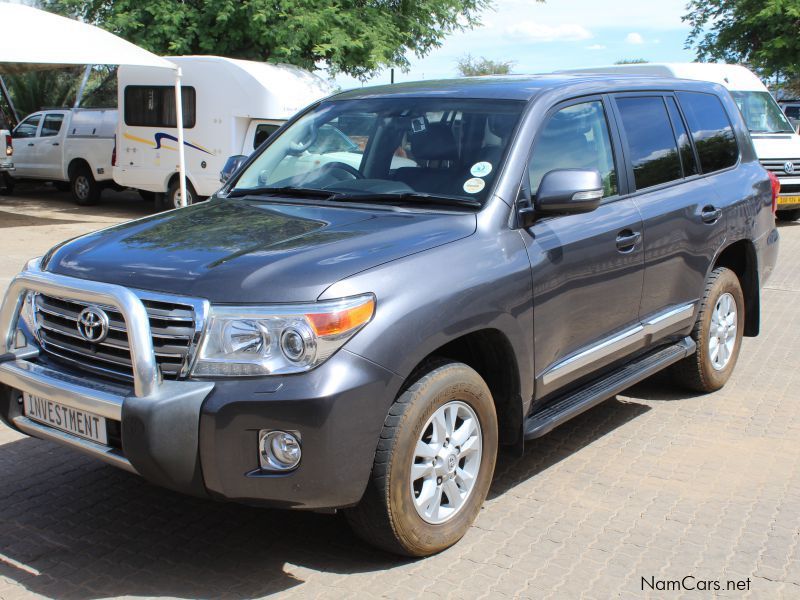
631	61
357	37
34	90
761	33
470	67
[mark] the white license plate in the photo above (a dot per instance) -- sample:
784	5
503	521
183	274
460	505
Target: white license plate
74	421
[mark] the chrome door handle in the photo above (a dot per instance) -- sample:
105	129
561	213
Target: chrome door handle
710	214
627	240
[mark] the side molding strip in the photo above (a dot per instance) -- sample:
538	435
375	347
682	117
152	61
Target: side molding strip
630	337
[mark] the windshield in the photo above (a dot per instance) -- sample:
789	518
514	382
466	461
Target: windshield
438	147
761	113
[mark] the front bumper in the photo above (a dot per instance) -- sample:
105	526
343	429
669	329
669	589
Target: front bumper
201	437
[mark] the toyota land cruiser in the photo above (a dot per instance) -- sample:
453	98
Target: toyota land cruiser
330	336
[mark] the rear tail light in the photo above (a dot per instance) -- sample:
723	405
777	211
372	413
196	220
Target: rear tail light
776	189
114	153
9	146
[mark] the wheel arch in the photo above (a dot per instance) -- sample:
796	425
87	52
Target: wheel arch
741	258
491	354
77	163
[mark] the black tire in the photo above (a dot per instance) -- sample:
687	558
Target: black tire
8	184
170	200
62	186
387	516
788	215
85	190
697	372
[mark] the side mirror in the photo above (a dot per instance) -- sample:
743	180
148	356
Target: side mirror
231	166
569	191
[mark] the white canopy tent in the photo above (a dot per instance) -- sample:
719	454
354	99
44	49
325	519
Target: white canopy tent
34	39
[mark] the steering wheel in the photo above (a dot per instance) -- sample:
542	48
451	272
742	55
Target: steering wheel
340	166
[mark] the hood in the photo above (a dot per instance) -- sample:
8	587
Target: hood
245	251
776	145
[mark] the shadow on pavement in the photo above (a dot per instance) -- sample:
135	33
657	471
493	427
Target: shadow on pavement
72	528
38	196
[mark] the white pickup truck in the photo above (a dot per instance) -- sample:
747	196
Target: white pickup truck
6	152
72	148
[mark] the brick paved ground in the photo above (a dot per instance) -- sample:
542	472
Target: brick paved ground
655	483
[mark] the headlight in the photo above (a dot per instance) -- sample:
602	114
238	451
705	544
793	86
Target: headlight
273	340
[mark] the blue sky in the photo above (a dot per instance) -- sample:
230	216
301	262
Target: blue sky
558	34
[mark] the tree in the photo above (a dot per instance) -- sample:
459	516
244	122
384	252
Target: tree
631	61
470	67
760	33
356	37
56	88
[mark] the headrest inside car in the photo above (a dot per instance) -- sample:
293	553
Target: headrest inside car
436	142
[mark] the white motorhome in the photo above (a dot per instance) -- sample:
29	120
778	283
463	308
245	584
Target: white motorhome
776	141
71	147
230	107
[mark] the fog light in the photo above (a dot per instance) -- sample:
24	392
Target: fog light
278	450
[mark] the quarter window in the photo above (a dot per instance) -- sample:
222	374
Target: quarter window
52	125
576	137
711	130
154	106
651	142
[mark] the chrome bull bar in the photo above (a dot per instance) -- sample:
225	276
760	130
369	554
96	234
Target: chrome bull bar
106	400
146	378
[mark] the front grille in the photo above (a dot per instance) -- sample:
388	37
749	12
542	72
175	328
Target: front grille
778	166
790	189
172	325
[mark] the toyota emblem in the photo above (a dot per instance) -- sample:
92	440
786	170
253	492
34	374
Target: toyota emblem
788	167
93	324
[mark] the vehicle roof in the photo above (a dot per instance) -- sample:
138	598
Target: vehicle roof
734	77
523	87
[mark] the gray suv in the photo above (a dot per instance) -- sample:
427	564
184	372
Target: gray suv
361	326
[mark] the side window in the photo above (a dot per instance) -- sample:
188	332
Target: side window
27	129
576	137
263	132
711	130
684	145
651	142
52	125
154	106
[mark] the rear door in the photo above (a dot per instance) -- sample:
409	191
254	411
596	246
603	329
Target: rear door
25	140
586	268
49	149
684	223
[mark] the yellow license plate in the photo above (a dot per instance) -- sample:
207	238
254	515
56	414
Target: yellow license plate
788	199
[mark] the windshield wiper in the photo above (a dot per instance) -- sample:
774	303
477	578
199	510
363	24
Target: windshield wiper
406	198
281	191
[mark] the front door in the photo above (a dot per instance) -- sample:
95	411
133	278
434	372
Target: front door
25	140
587	268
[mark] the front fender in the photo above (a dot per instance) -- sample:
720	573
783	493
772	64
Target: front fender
431	298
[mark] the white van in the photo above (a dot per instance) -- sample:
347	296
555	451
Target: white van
776	142
71	147
230	107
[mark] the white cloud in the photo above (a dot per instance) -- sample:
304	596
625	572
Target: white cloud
634	38
596	47
538	32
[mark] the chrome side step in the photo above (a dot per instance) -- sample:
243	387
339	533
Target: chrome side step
563	409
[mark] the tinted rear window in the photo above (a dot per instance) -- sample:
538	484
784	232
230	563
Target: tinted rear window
651	142
711	130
